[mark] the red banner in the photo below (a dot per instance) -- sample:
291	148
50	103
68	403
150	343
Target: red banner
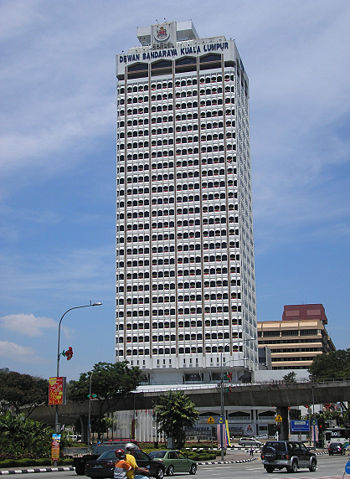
57	391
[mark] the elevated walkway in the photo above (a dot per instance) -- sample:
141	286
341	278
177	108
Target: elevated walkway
208	395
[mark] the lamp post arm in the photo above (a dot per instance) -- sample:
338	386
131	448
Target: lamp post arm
59	333
97	303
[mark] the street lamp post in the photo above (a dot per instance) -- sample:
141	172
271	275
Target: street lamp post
222	410
222	403
89	412
222	399
98	303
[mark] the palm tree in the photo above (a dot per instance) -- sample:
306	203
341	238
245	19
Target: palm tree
174	412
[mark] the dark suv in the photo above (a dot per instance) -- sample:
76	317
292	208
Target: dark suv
292	455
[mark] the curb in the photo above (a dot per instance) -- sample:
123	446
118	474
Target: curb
238	461
71	468
37	469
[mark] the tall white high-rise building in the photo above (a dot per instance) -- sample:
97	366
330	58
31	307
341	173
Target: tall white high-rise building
185	282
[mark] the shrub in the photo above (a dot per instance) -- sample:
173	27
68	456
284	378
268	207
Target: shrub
200	455
29	462
20	437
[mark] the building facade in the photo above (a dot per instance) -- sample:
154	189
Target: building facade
185	280
242	421
297	339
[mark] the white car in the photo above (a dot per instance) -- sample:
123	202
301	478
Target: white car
74	437
249	442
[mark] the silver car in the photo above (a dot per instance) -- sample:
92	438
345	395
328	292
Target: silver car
249	442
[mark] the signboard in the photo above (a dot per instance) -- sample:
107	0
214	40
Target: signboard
347	467
313	421
278	418
198	48
300	426
55	447
249	430
211	420
57	391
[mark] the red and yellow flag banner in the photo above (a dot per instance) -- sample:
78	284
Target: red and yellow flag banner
57	391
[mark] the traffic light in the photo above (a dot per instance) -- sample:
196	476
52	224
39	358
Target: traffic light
321	425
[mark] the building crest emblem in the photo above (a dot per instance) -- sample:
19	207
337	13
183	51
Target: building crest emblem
162	34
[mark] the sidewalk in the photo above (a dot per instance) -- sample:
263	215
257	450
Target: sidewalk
29	470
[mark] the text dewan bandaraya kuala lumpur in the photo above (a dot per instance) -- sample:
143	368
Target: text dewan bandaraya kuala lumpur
173	52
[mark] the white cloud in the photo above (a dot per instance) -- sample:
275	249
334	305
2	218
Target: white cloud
13	351
80	275
27	324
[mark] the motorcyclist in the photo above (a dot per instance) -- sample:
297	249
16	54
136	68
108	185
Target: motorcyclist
136	472
121	466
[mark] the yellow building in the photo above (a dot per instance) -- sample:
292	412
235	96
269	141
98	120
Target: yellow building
297	339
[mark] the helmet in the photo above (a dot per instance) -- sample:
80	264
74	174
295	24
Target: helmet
130	446
120	454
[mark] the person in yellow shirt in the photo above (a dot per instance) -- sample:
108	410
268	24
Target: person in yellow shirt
121	467
136	471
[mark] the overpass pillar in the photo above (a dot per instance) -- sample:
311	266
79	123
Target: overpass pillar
284	432
84	428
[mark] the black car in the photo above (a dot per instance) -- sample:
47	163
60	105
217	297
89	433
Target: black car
95	451
292	455
336	448
103	466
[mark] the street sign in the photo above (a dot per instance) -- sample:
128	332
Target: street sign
278	418
300	426
347	467
211	420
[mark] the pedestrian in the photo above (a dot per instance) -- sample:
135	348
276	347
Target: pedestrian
251	451
121	467
136	472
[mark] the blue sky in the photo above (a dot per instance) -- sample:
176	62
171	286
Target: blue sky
57	162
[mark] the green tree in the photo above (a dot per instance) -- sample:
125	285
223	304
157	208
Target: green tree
290	378
19	390
174	412
109	381
330	366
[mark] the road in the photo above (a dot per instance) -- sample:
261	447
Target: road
328	468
